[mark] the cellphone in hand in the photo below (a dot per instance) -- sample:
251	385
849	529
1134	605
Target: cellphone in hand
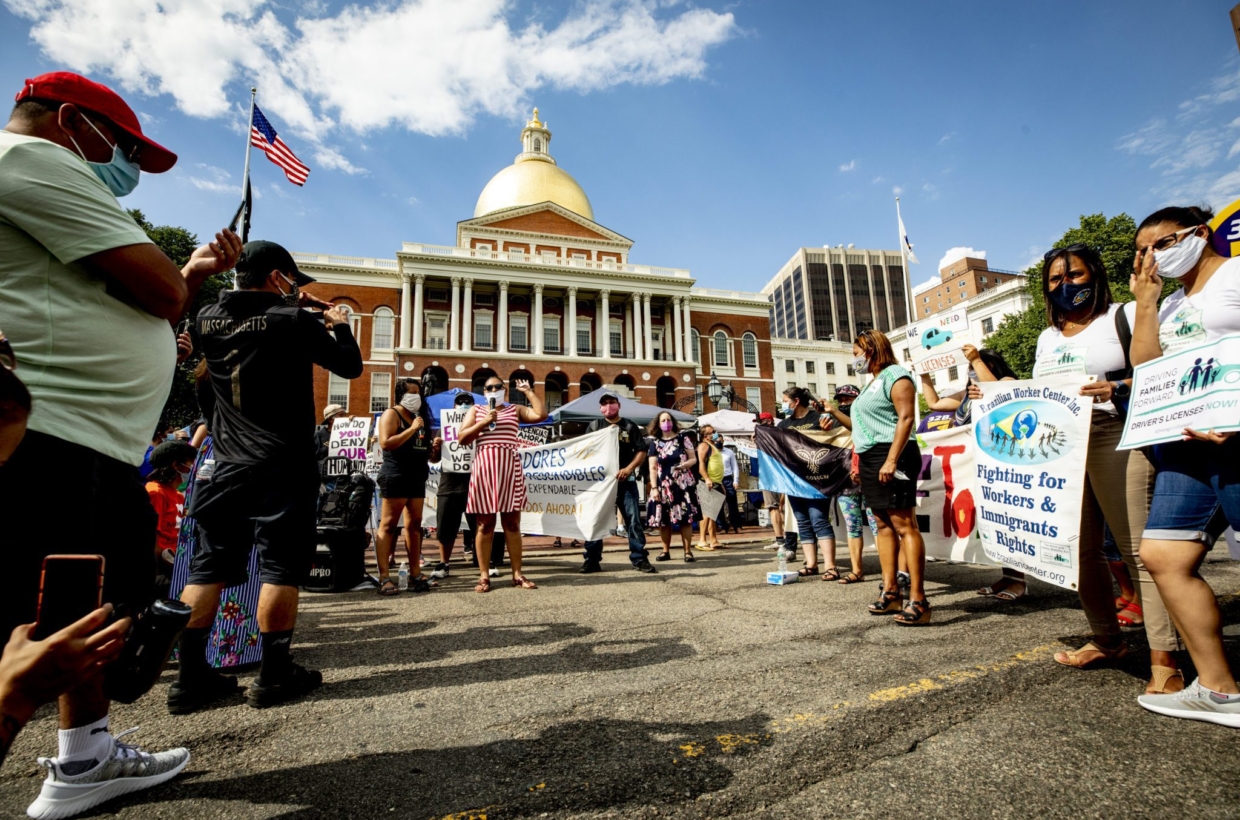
70	588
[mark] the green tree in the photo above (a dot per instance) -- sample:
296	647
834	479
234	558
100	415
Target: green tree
178	243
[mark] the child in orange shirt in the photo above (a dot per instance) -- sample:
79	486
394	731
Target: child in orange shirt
171	464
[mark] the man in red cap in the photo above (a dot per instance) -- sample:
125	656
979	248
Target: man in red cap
88	306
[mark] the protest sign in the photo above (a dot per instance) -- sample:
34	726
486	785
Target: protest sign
935	344
1197	387
946	497
456	457
1032	439
533	436
571	486
711	502
346	448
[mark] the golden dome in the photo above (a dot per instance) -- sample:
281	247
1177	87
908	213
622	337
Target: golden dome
533	177
530	182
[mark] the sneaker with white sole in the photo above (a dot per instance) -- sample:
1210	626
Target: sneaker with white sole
1196	702
440	571
774	545
127	769
493	572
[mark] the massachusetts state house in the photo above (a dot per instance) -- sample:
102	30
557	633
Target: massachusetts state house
535	289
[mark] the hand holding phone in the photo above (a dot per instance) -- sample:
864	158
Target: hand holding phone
70	588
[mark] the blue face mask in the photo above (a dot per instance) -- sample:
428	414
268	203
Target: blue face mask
120	175
1070	296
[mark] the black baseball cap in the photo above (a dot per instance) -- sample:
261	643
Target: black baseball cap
170	452
608	396
847	390
264	257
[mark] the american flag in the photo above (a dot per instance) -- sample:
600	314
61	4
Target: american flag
263	136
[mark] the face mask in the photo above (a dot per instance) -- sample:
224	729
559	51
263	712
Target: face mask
119	174
1179	259
785	408
497	394
1069	296
610	410
666	425
184	474
717	438
861	365
293	296
846	409
411	402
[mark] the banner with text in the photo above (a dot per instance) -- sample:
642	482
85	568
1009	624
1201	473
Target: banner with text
1197	387
936	343
456	457
947	498
346	448
1032	440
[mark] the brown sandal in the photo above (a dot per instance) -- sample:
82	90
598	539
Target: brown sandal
1075	657
1160	677
483	585
851	578
917	613
830	574
523	582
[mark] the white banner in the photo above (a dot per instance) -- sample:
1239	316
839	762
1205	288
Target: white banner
946	498
1032	440
456	457
346	448
935	344
710	501
1197	387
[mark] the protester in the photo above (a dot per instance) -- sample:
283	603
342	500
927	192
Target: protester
171	464
1087	337
1197	475
773	502
260	345
672	457
77	269
730	515
813	515
710	470
405	438
451	496
497	485
323	436
631	445
889	462
851	502
984	366
14	403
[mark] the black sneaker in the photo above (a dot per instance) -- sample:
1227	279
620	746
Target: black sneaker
590	567
301	681
644	566
185	699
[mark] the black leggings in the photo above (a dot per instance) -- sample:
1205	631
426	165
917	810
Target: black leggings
448	521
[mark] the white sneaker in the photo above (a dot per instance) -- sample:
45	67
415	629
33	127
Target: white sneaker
127	769
1196	702
441	571
774	545
493	572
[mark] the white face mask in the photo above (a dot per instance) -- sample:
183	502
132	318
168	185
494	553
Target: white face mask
861	364
411	402
497	394
785	408
1179	259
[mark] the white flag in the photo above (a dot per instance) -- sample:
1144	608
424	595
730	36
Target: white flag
908	246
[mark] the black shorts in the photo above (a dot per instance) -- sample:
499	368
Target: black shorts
57	498
899	493
248	506
396	485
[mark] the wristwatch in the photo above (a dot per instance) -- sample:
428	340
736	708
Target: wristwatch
1121	390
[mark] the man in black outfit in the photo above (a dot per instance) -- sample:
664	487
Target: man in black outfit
261	348
632	445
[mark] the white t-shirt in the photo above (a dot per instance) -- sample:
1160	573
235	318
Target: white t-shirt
1095	351
1212	312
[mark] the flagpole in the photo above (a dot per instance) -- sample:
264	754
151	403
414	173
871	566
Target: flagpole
245	181
908	278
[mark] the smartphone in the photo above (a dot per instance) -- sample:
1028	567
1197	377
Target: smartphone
70	588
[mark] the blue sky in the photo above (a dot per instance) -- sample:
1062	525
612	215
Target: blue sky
718	136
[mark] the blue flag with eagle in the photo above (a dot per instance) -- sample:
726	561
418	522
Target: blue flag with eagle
794	464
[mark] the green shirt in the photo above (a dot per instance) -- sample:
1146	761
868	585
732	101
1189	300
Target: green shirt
98	366
874	415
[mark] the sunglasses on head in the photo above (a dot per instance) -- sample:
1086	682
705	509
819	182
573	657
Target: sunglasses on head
1071	249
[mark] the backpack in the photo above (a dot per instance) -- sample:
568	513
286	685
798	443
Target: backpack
348	503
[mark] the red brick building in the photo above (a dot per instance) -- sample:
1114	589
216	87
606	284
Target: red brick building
535	289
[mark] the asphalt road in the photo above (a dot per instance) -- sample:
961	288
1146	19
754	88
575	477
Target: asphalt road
699	692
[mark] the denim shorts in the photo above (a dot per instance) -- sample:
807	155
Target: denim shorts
1197	483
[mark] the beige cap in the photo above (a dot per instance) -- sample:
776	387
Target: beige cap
332	410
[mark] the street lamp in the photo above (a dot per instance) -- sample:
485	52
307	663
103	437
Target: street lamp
714	389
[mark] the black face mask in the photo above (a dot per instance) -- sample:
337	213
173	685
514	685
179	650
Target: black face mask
846	409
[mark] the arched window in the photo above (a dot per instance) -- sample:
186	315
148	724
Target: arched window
537	145
697	346
749	349
721	349
381	335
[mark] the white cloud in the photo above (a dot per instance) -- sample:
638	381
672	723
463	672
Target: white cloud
330	158
930	191
429	66
413	200
897	190
947	137
877	180
956	254
848	166
216	180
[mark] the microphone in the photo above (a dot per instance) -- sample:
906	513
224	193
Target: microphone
491	408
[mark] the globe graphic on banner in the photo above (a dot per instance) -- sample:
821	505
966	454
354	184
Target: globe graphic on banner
1026	423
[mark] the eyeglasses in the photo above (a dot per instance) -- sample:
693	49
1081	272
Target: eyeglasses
1168	241
7	360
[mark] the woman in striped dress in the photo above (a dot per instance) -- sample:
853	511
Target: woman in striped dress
497	484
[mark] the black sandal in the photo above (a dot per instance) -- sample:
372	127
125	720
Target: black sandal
806	572
852	578
917	613
388	588
830	574
689	559
663	556
421	584
887	602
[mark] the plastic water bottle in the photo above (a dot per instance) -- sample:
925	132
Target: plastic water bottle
402	576
783	562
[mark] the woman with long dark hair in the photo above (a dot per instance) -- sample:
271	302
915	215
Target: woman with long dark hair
672	458
1085	337
405	439
1198	477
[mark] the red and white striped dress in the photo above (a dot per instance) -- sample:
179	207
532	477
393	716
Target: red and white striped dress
496	483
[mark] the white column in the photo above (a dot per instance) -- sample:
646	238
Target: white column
467	318
501	326
570	301
688	328
637	326
648	349
406	310
603	324
419	280
629	350
537	330
454	319
678	337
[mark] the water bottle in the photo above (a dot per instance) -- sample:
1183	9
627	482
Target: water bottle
147	648
783	562
402	576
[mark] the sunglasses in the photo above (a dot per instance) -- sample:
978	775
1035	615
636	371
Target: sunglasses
1054	252
493	388
7	360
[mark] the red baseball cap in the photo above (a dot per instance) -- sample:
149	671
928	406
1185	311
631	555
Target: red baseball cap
764	416
67	87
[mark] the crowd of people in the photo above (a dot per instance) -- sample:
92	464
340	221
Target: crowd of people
76	268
